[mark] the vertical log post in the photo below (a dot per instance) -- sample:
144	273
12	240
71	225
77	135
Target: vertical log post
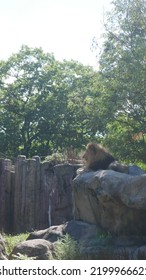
37	210
6	213
19	192
27	194
34	195
2	194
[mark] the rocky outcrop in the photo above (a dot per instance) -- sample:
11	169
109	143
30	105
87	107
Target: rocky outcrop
78	230
94	243
109	216
113	201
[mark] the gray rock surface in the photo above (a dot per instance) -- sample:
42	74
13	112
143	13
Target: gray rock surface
93	243
109	216
135	170
114	201
38	249
78	230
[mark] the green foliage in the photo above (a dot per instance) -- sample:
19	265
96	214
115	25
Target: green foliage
141	165
46	105
49	106
67	249
124	143
56	158
123	68
12	240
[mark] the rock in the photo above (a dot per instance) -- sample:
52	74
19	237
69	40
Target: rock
119	167
140	253
128	169
84	233
113	201
78	230
38	249
94	243
51	234
135	170
2	256
57	193
109	216
2	249
61	199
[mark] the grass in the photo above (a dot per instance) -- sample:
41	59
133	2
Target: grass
12	240
66	248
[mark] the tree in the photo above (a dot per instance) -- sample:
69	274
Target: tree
123	69
22	82
46	105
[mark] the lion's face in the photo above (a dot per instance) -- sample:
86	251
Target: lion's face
93	153
90	156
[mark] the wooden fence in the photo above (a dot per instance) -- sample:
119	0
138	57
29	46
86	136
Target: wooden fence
34	194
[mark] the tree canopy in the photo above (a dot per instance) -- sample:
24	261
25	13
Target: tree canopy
49	105
123	69
46	105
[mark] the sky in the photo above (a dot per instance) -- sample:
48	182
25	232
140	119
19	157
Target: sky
62	27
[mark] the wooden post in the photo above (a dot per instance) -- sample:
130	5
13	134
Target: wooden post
26	195
18	193
37	206
6	215
29	196
12	198
34	195
2	194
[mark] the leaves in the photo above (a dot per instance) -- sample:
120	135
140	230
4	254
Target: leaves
46	104
123	68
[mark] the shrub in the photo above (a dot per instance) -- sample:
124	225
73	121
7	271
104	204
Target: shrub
56	158
67	249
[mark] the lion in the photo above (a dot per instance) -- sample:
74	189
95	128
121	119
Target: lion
99	158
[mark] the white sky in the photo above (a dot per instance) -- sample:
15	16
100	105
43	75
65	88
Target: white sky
64	27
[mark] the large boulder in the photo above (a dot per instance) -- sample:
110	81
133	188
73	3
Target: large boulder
38	249
113	201
109	215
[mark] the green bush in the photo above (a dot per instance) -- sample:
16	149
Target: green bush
67	249
56	158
